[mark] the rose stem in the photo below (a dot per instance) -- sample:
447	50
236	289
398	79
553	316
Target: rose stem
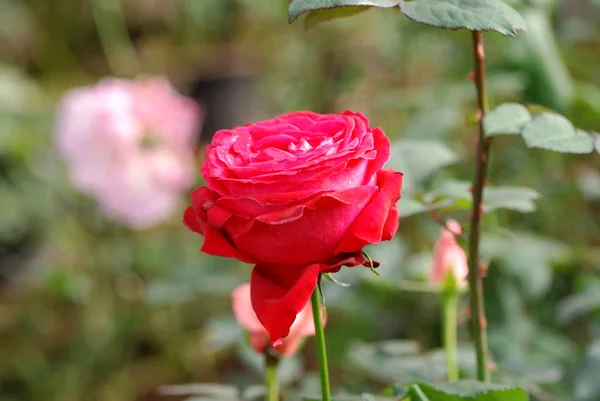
450	316
321	348
478	321
119	51
271	381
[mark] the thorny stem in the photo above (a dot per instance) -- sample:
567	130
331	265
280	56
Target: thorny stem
321	348
478	321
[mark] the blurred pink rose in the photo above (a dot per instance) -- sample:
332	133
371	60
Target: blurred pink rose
130	145
302	327
449	256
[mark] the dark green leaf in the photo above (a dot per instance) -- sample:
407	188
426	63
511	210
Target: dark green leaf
298	7
552	131
475	15
416	394
319	16
471	390
506	119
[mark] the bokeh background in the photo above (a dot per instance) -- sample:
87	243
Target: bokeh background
90	310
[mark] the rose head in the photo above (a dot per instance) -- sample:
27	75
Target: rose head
297	195
129	144
448	256
302	327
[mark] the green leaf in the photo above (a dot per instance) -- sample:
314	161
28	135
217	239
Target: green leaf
475	15
578	305
319	16
587	385
456	195
513	198
506	119
470	390
552	131
409	206
416	394
298	7
417	159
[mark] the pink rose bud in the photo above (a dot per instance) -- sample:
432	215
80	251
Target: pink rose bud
302	327
449	256
130	145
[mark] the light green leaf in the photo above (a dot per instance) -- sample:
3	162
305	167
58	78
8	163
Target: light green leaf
587	385
513	198
578	305
319	16
409	206
552	131
298	7
475	15
417	159
456	195
506	119
471	390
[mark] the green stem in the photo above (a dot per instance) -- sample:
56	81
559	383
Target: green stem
321	348
478	321
450	318
271	381
112	31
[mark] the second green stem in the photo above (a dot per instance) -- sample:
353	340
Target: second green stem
271	381
321	348
450	316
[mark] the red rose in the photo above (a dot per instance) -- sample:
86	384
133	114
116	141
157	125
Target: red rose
297	195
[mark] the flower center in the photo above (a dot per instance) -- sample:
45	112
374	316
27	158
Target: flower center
150	141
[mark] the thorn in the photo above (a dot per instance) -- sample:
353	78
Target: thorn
483	269
471	76
482	322
492	366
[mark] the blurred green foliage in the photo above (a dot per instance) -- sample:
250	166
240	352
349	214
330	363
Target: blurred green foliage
91	311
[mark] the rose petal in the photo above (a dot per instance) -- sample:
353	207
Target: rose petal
369	226
279	293
216	244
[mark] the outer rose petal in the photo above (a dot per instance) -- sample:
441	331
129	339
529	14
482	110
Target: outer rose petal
216	244
279	293
373	224
309	235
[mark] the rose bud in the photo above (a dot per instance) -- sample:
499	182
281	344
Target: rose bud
449	257
302	327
